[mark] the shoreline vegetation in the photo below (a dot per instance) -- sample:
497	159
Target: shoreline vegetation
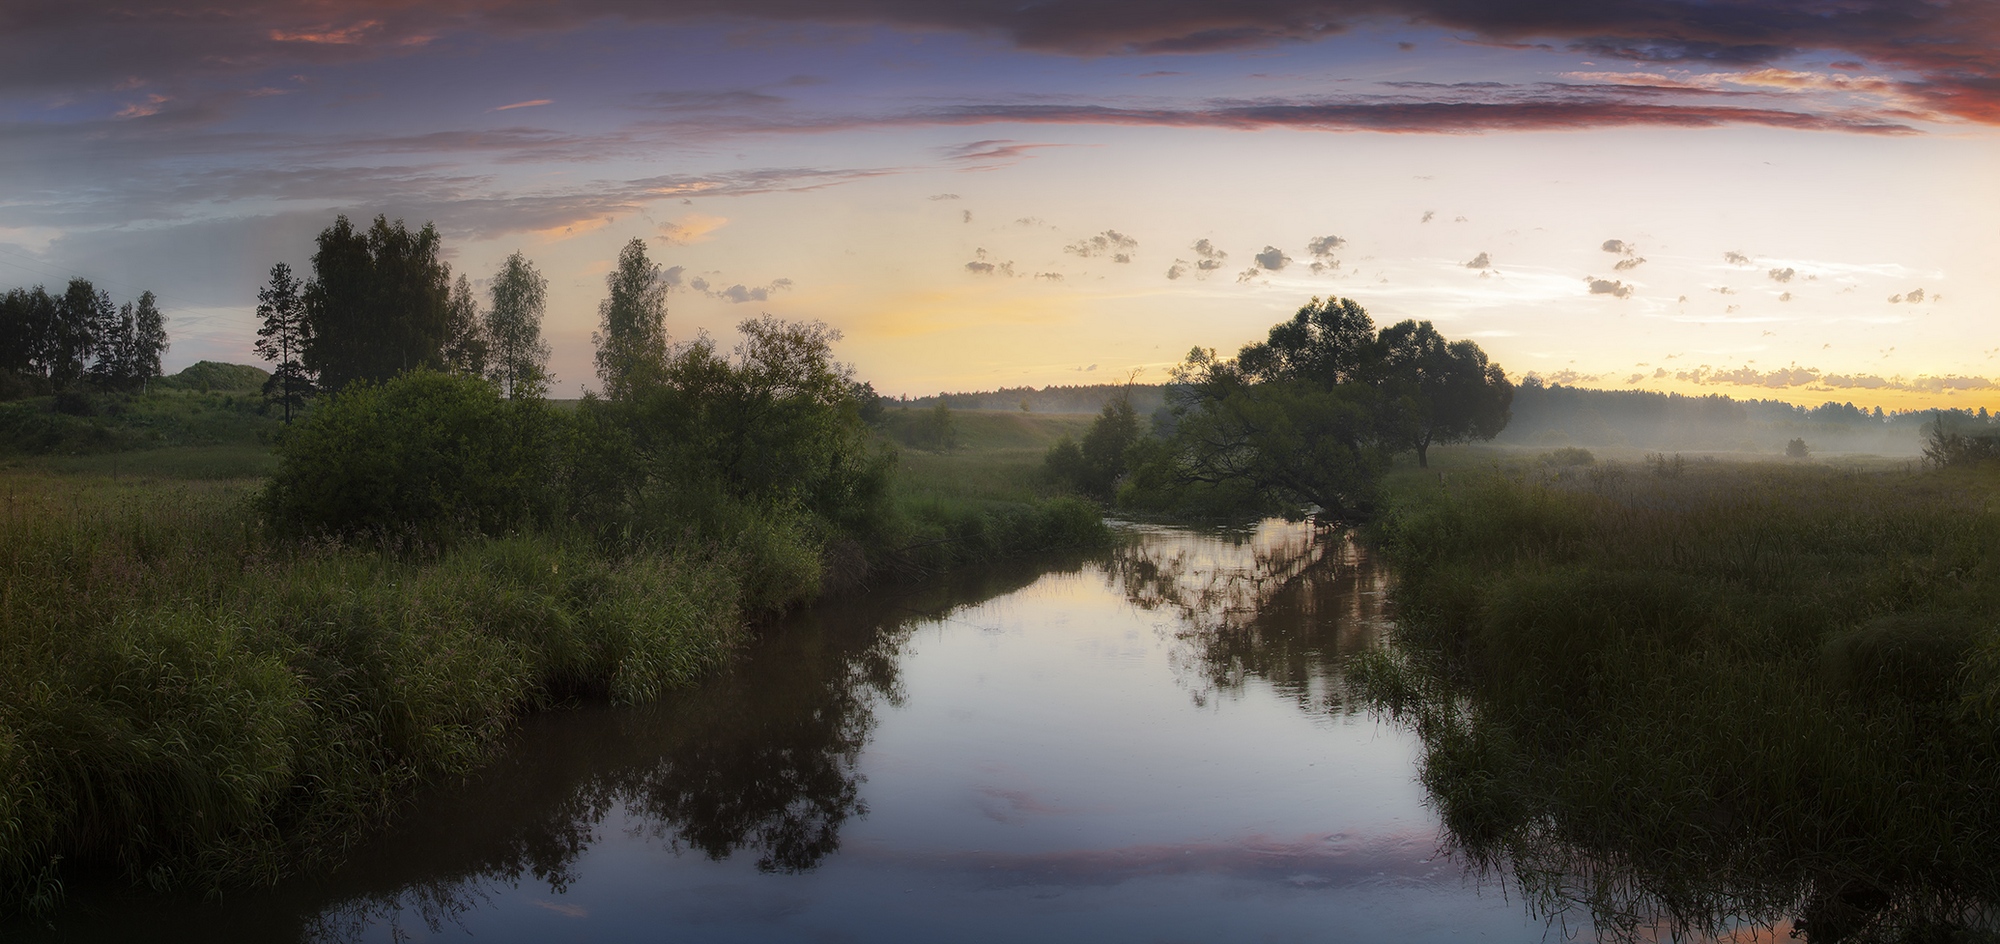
1695	694
208	681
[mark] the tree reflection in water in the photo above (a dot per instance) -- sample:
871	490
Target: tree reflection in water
760	760
1285	602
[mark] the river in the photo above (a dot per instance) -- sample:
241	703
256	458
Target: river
1149	745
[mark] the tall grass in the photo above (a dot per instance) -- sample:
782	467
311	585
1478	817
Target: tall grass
1734	692
184	702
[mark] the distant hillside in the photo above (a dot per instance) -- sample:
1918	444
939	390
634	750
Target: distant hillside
211	376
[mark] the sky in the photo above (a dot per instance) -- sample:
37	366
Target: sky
1788	199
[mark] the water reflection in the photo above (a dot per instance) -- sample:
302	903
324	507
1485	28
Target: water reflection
1284	602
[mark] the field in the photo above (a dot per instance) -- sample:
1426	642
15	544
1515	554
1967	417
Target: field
1701	692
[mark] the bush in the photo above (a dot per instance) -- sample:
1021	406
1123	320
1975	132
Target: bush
427	454
1797	449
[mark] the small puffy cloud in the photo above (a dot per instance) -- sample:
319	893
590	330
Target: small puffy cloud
1618	246
1629	263
1428	214
672	277
1609	287
1322	249
1481	261
968	215
1272	258
1659	373
1207	258
1110	242
1895	299
979	268
1051	276
692	228
1785	297
1735	258
1635	378
1916	295
739	293
942	196
1724	290
1247	275
1783	275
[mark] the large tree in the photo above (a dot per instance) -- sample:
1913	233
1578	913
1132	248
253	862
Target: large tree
379	302
83	315
1313	414
283	339
519	358
1442	391
149	340
631	336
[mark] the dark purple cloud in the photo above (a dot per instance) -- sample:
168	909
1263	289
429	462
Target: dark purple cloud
1949	52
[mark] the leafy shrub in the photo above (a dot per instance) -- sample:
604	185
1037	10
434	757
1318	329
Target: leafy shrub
1567	456
1797	449
426	453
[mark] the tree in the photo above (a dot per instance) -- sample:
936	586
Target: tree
28	320
1313	414
631	337
519	361
1094	467
465	343
1440	391
379	302
284	338
149	340
82	315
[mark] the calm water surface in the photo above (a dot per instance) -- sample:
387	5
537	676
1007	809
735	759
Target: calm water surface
1150	746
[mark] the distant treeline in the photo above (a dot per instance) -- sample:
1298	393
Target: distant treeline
51	343
1082	398
1559	415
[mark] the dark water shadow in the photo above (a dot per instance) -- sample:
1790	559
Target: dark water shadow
760	760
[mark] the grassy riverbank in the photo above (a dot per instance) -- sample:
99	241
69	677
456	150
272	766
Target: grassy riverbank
189	698
1700	691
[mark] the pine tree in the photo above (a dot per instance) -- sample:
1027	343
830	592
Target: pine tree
284	338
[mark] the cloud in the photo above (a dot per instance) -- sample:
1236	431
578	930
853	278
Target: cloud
1618	246
692	228
1607	287
1813	378
1946	56
738	293
1051	276
533	103
979	268
1322	249
1207	258
1735	258
1783	275
1481	261
1627	264
1785	296
1110	242
1273	259
1428	214
1723	290
1247	275
942	196
1916	295
991	154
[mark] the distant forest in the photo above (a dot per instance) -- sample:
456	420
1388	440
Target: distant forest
1556	415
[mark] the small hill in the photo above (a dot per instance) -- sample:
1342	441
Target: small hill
211	376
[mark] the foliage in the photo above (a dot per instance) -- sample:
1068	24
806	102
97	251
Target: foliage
1312	416
1945	445
379	303
466	345
1566	457
631	336
214	376
184	703
1095	467
426	453
1797	449
520	357
938	430
1738	693
283	339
